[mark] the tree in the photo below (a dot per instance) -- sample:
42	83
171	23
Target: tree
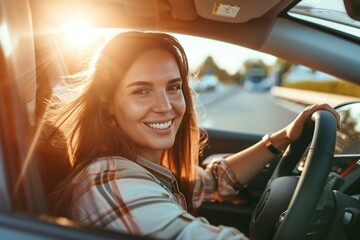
210	67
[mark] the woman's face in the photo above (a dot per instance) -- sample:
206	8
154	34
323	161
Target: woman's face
149	104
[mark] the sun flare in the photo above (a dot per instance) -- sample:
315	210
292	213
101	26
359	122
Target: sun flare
78	33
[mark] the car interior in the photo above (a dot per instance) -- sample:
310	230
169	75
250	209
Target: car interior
31	65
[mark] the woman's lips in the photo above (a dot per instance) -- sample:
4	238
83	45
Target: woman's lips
160	125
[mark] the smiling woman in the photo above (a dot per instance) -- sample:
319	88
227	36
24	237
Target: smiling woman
111	191
126	129
134	143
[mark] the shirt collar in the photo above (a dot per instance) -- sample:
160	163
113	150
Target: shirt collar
164	175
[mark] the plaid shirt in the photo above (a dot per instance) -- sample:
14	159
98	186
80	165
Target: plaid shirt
142	198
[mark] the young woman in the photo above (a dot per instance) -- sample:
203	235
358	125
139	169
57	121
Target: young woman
134	142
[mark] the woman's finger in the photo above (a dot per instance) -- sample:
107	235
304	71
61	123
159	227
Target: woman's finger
312	108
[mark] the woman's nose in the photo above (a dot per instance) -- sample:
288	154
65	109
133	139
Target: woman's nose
161	102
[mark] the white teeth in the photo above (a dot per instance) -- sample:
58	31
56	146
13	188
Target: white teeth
160	125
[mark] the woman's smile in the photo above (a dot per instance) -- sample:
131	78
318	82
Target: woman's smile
159	125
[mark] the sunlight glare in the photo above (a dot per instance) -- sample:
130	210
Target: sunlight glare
78	33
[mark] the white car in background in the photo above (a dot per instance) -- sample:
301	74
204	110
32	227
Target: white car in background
256	79
206	83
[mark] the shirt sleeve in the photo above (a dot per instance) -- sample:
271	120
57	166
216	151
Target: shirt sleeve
216	182
130	201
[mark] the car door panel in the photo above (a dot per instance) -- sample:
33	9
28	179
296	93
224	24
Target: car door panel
237	212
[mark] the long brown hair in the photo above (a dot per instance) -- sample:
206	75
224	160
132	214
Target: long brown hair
88	127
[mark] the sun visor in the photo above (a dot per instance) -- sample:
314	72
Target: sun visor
236	11
183	10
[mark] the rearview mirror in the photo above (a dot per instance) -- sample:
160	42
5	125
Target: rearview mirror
353	9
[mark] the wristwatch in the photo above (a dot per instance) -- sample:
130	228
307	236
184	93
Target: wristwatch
268	144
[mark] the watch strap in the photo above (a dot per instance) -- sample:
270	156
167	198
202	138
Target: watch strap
268	144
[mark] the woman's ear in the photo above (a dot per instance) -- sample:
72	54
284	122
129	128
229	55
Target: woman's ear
111	109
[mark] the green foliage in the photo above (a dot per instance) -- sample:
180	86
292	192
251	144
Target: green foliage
335	87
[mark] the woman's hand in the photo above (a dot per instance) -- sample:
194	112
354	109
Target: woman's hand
295	128
259	155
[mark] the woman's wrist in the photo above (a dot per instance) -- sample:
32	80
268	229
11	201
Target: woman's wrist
269	145
277	140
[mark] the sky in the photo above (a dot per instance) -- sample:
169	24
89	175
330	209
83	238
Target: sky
227	56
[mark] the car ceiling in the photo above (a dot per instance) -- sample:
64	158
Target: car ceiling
256	26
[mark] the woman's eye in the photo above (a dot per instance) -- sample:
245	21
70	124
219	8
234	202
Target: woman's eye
175	87
140	92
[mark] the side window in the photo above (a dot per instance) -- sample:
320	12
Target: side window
243	90
233	87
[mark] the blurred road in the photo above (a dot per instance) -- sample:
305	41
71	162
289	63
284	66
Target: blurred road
233	108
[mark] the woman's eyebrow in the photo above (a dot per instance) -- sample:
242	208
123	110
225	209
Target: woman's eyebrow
175	80
149	83
139	83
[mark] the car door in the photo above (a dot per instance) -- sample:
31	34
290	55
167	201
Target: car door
237	212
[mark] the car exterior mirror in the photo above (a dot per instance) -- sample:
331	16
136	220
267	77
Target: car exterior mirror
348	136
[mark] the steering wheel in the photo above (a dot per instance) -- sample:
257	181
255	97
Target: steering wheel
288	202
